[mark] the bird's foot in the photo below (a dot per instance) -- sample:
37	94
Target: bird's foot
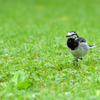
76	59
81	58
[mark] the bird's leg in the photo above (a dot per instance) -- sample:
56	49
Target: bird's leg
76	59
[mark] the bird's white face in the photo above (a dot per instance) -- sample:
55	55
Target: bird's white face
72	35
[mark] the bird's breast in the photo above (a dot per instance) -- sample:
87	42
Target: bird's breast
80	51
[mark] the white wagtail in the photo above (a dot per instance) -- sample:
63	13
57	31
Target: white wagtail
77	46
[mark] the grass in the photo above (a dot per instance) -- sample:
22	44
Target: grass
34	60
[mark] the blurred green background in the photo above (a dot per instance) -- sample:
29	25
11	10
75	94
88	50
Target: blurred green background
71	15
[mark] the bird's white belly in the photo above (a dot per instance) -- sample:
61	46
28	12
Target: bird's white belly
80	51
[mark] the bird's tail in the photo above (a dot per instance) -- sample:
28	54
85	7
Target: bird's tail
92	46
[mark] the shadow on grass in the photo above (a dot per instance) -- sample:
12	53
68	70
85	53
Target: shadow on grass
72	65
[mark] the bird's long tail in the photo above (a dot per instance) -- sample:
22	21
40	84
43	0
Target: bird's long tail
92	46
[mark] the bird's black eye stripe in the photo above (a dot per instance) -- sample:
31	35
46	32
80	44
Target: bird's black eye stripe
73	34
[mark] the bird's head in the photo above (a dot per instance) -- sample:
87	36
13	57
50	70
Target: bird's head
72	34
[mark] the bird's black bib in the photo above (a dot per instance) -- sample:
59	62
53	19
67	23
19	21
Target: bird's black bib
72	43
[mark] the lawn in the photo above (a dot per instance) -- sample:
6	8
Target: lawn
35	63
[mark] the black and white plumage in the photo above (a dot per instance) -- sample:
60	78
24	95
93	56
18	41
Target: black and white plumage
77	46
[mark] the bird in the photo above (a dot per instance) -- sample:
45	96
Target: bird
77	46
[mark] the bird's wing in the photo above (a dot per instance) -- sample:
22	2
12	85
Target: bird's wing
80	39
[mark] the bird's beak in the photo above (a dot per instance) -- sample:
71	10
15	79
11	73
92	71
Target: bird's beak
68	36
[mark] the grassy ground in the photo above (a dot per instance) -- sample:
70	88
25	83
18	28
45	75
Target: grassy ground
34	60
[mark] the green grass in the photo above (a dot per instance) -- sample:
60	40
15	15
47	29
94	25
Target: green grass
34	60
